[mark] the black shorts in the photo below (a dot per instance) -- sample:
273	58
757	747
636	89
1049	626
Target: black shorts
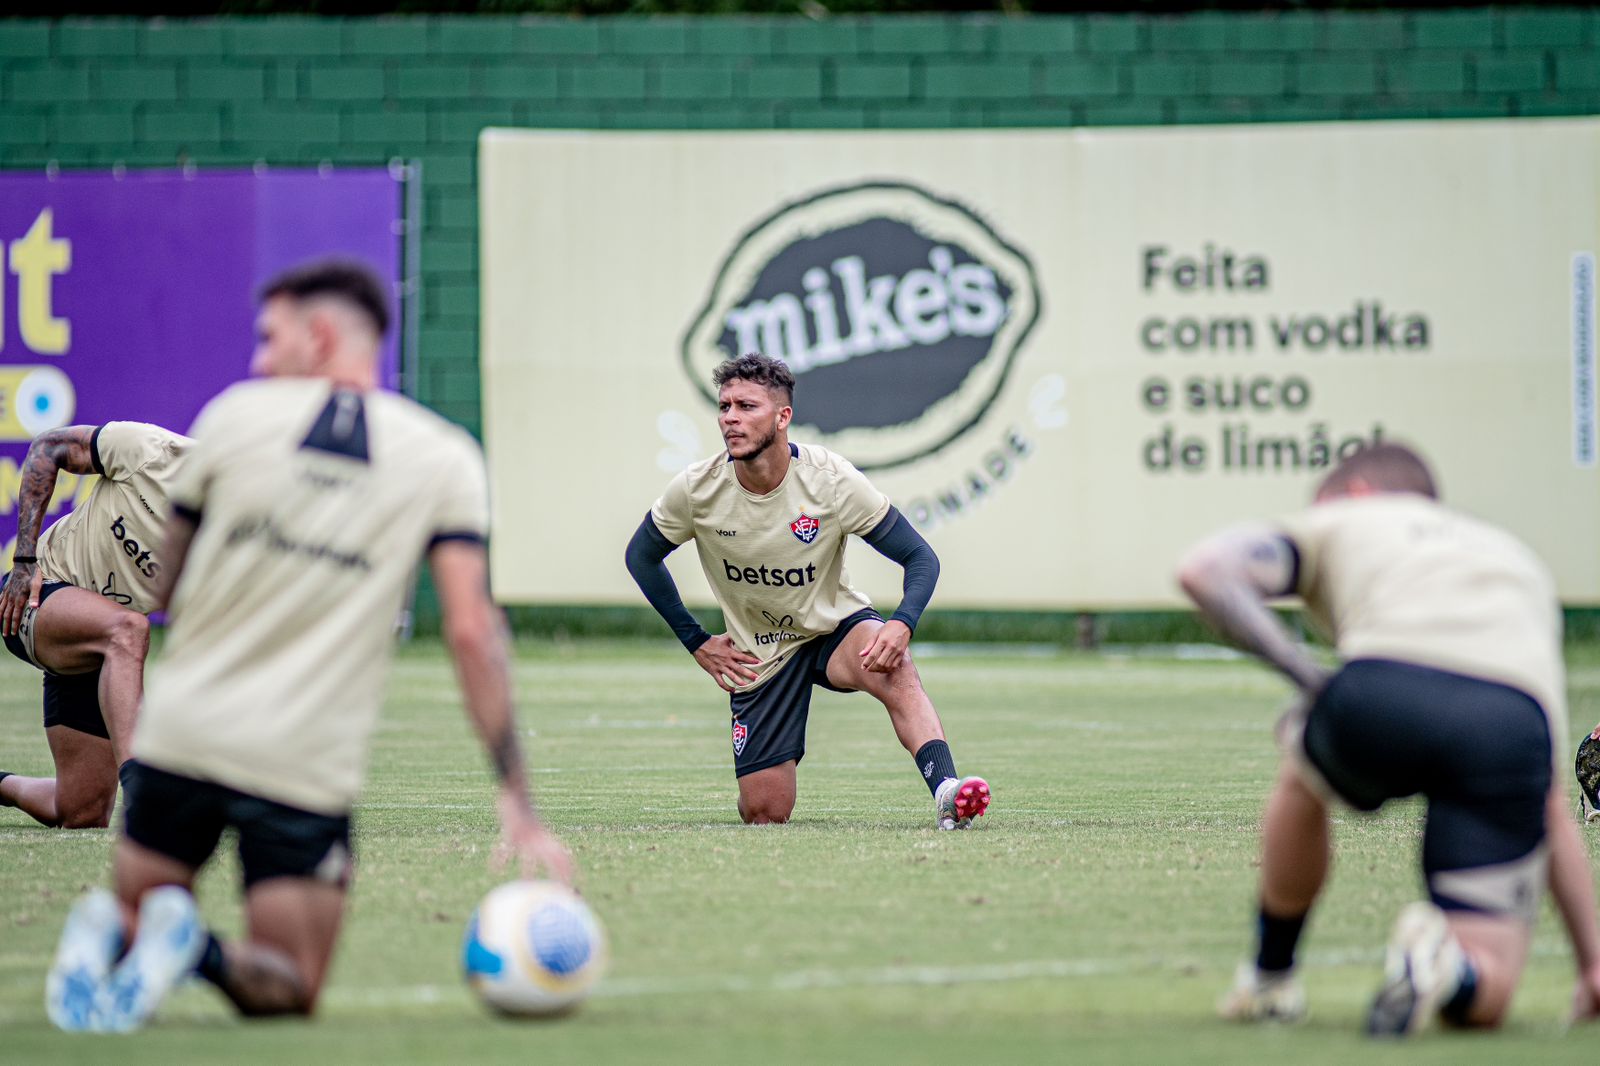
1479	751
183	819
769	722
72	700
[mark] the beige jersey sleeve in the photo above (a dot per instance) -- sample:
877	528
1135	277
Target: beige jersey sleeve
672	514
860	506
122	448
188	490
463	498
1306	535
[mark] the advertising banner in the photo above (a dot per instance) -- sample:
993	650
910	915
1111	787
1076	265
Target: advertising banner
131	296
1066	355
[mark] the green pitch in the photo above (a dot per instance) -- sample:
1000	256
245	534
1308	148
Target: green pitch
1094	917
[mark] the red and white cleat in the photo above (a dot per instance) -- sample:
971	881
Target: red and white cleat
960	800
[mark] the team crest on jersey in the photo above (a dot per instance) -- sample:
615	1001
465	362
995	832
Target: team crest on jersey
741	733
806	528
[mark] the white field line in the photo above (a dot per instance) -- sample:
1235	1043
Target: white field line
822	979
816	979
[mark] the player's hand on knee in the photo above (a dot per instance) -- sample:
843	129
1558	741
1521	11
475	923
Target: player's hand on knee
888	648
722	659
21	592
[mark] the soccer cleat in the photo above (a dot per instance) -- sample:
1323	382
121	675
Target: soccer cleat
170	942
1262	996
89	942
959	800
1588	771
1421	970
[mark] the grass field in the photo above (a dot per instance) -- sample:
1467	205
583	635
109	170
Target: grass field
1094	917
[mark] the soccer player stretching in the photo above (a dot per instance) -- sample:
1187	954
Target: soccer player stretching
770	520
74	607
302	509
1452	686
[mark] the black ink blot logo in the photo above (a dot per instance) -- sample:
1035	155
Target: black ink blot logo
899	312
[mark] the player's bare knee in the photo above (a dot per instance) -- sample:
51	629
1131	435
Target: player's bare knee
279	1008
128	636
87	816
905	679
1482	1015
766	810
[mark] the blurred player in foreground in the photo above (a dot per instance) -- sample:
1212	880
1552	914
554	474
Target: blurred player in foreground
301	512
1452	686
770	519
75	602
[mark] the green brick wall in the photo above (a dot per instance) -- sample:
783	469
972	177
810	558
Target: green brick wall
298	91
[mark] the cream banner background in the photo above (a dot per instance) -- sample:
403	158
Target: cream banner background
1097	461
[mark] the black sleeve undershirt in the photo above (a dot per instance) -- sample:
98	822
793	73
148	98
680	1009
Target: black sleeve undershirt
1294	566
646	558
896	538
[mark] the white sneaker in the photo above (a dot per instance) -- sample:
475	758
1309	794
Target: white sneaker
170	942
1261	996
89	942
1421	970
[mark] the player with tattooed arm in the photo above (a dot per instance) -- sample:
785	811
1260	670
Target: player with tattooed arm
75	602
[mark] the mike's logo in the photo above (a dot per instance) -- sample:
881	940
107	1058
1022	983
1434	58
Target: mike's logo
900	314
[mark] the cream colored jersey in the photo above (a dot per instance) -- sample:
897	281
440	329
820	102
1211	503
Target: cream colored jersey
1399	576
314	507
775	562
111	543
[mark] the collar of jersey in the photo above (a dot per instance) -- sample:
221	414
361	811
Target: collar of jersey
794	453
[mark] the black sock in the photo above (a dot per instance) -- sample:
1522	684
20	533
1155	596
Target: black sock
211	960
1278	937
1455	1009
124	772
3	775
936	763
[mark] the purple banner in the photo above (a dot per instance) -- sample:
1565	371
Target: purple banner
132	296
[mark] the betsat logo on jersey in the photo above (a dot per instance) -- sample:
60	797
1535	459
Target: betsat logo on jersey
900	313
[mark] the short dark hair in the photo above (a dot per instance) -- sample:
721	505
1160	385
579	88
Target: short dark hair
349	280
759	369
1387	468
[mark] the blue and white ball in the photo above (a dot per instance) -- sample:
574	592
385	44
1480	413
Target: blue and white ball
533	947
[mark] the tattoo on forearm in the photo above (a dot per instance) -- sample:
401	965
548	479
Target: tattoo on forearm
507	755
50	453
38	485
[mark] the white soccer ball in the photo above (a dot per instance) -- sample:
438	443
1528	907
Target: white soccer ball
533	947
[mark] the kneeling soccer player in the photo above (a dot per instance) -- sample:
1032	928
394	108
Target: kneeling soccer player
301	512
74	606
770	519
1452	686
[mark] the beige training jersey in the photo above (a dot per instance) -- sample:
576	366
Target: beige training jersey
111	543
775	562
314	506
1399	576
